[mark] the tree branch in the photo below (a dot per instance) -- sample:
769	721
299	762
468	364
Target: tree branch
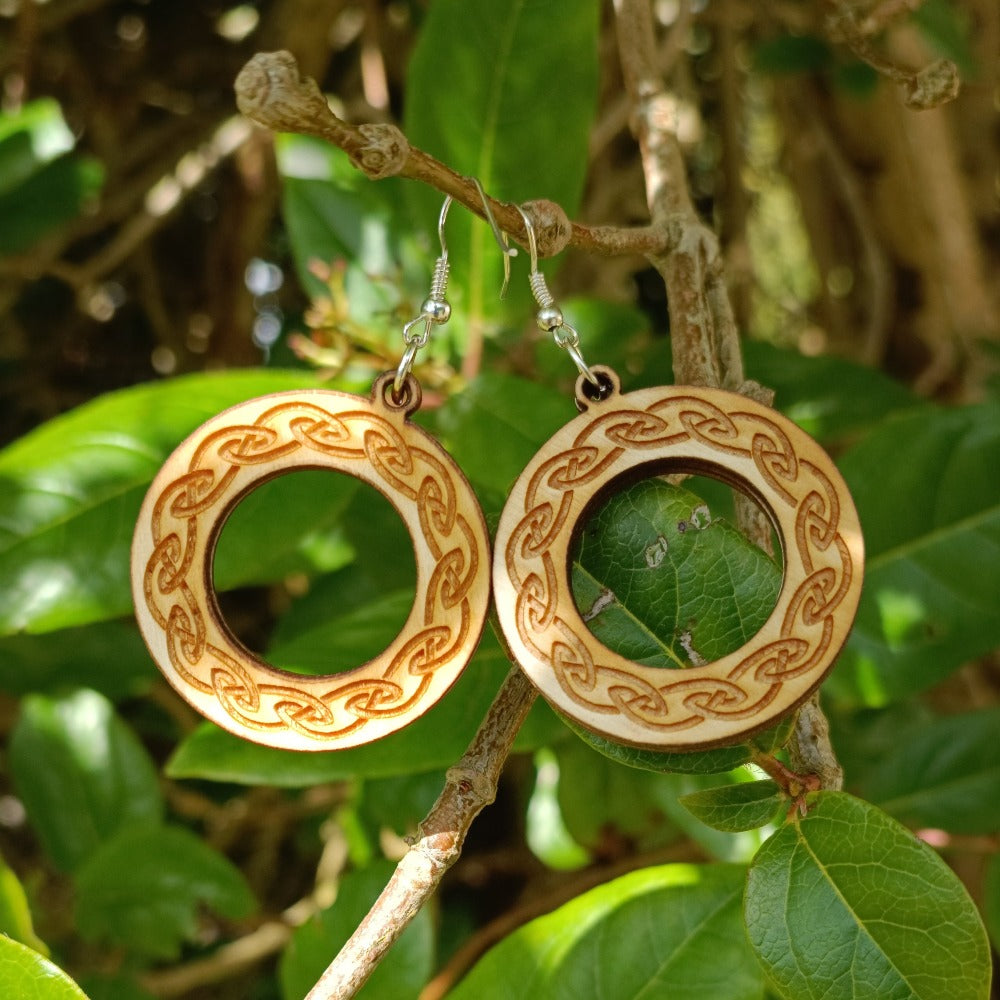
704	338
471	786
270	90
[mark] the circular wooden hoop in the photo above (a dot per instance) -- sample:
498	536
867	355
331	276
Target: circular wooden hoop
687	429
235	452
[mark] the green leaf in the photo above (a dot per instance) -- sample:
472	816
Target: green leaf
26	975
927	488
661	582
70	492
34	135
670	931
946	775
143	890
436	740
51	197
991	900
791	54
495	426
732	808
120	987
697	762
401	973
846	903
545	832
602	803
292	523
830	398
334	212
508	81
15	915
81	773
109	657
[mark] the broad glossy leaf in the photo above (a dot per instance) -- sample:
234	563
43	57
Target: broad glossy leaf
109	657
399	976
144	888
26	975
731	808
15	915
493	428
603	803
436	740
508	80
70	492
81	773
946	775
50	197
830	398
846	903
673	931
663	583
927	488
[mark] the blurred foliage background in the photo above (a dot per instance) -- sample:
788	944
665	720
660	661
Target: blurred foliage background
148	232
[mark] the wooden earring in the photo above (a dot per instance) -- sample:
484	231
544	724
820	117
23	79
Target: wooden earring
235	452
622	437
373	440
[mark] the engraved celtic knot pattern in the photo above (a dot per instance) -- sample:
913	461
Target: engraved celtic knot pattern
180	522
649	431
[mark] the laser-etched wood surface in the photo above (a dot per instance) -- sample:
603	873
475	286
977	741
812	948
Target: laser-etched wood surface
235	452
672	429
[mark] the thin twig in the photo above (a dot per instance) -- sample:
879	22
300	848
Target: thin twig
270	90
927	87
471	786
704	337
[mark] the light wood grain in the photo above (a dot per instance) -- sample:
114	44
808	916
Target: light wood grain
670	429
228	457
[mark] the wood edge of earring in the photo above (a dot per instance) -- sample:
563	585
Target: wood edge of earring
156	638
541	673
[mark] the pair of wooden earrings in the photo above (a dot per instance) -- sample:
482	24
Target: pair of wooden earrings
618	437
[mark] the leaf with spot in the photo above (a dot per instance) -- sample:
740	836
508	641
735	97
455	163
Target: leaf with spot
846	903
661	582
673	930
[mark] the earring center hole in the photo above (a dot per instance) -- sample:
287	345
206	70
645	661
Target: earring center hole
314	572
662	576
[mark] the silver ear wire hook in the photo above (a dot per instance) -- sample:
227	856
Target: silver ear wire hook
549	316
498	234
435	310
